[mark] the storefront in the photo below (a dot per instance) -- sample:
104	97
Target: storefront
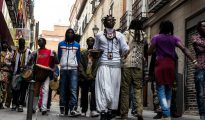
6	27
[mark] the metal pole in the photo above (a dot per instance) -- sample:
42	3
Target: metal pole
30	101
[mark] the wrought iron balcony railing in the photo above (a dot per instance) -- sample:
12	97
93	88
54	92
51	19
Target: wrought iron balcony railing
155	5
12	8
125	20
139	11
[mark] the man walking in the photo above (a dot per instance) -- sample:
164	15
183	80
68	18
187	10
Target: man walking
108	78
132	70
21	59
69	56
88	69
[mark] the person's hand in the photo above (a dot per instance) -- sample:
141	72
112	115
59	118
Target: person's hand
198	66
90	77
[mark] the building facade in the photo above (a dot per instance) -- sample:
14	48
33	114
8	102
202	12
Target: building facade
90	14
54	37
183	13
16	14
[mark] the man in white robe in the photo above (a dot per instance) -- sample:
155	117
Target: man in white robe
108	78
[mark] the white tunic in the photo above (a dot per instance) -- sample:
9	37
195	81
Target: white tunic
108	78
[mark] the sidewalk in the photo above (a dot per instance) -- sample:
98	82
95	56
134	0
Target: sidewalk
7	114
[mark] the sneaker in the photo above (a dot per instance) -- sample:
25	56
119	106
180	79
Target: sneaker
1	106
75	113
13	108
139	117
20	108
175	115
44	112
94	114
158	116
7	105
33	111
103	116
202	117
83	114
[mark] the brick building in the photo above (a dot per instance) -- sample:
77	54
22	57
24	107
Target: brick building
55	36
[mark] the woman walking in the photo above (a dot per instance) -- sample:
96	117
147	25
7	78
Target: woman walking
165	43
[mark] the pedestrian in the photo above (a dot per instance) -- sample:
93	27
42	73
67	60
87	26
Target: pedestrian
157	108
88	69
69	56
165	43
132	70
21	59
5	71
108	78
44	61
198	41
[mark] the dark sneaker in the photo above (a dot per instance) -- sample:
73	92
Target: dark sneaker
103	116
33	111
1	106
44	112
158	116
175	115
13	108
75	113
139	117
20	108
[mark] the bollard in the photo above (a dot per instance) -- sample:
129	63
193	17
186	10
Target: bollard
30	100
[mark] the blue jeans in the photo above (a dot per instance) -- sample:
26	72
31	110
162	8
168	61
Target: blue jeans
199	78
68	88
164	93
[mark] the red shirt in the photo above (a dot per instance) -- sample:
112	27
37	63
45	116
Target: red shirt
44	56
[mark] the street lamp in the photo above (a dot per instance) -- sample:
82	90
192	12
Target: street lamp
95	30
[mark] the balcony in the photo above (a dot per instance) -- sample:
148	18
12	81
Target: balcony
125	20
155	5
139	10
95	4
12	8
29	5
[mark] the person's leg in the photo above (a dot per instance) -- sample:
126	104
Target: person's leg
137	86
93	110
15	94
45	90
2	92
63	90
124	98
163	100
73	84
9	94
49	99
103	90
23	89
84	96
199	78
114	92
37	87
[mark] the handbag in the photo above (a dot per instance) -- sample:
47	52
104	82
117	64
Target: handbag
27	73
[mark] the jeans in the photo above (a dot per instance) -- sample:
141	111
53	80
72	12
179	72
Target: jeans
199	78
68	83
164	93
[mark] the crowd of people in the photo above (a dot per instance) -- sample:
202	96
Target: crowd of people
113	69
